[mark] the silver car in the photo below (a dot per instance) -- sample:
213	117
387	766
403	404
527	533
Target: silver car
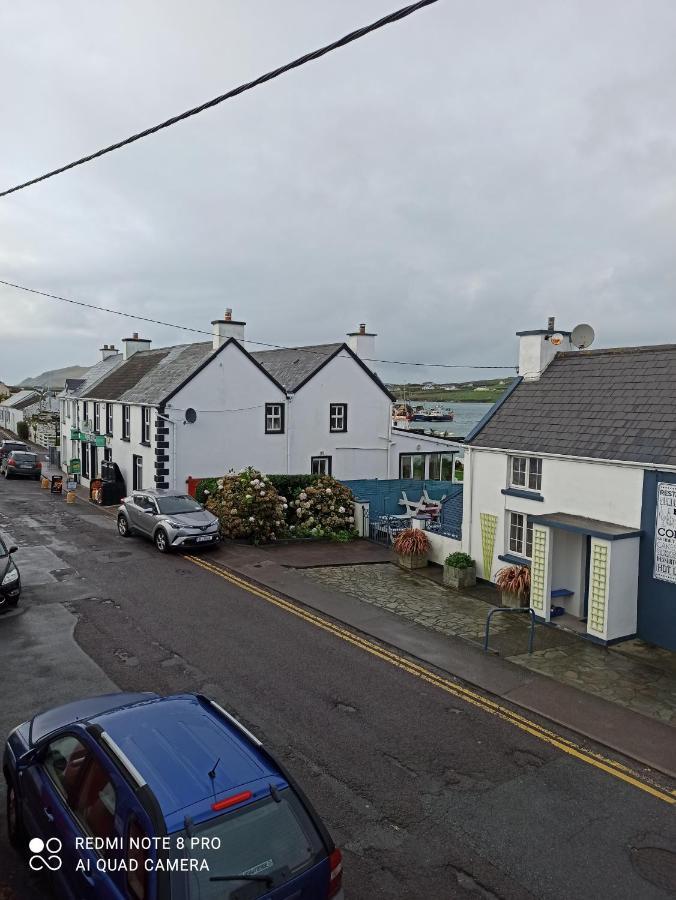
170	519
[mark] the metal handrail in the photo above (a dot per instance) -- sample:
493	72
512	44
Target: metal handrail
528	609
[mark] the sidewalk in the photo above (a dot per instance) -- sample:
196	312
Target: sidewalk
445	630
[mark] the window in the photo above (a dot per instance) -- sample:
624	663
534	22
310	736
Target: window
177	505
440	466
109	419
526	472
137	465
137	877
96	801
97	418
145	425
84	460
107	454
77	414
65	760
412	465
85	410
320	465
337	417
520	535
125	422
274	418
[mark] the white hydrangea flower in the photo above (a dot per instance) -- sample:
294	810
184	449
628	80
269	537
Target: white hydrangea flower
341	509
350	518
303	495
329	491
248	496
233	512
262	493
251	519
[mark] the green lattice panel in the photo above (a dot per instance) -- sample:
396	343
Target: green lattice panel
598	584
489	524
538	570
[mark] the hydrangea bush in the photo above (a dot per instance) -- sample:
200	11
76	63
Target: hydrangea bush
322	509
248	506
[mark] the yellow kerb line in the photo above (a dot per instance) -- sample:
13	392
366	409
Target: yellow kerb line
605	764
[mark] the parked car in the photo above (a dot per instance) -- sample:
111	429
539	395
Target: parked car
21	464
7	447
170	519
165	785
10	577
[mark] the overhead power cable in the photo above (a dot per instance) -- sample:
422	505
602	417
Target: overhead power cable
125	315
262	79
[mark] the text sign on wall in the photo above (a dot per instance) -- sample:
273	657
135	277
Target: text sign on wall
665	533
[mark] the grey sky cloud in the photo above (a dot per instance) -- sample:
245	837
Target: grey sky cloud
449	180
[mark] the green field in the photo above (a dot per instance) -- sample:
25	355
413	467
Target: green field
464	393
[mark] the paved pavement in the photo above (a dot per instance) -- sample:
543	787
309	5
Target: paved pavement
430	791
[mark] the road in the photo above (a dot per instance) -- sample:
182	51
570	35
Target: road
428	792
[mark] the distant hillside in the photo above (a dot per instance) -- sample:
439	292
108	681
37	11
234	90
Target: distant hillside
54	378
481	390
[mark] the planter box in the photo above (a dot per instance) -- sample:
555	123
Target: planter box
411	561
513	600
459	578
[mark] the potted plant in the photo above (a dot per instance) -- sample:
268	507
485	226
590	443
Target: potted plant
459	571
514	585
411	546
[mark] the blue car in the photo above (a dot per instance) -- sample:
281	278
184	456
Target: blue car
144	797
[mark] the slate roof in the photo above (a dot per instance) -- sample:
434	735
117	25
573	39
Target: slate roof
22	399
604	404
292	366
81	387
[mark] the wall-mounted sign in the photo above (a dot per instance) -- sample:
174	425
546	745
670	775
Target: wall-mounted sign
665	533
100	440
74	434
74	467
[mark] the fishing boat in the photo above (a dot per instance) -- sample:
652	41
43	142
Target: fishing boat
432	415
402	412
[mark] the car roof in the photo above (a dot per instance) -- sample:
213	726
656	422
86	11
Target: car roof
43	724
153	492
174	742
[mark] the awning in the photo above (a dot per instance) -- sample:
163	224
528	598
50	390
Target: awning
608	531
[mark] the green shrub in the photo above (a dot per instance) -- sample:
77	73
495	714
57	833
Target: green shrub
248	506
206	487
289	486
459	560
22	430
322	509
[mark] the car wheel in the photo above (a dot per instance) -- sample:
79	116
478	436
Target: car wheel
14	822
123	526
161	540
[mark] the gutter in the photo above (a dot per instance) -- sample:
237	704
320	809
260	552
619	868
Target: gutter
649	467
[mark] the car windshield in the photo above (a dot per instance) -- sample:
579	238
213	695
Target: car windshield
24	457
267	839
171	506
3	550
8	446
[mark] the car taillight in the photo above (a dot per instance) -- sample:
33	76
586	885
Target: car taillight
10	462
39	464
336	876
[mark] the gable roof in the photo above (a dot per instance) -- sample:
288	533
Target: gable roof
604	404
80	387
22	399
293	367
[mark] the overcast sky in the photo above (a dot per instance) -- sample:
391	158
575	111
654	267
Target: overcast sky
448	180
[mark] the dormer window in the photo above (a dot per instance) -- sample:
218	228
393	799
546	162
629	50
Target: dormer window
526	473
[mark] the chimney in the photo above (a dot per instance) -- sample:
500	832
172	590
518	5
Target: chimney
107	350
133	344
539	347
227	327
362	342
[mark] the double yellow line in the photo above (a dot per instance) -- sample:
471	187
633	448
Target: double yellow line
605	764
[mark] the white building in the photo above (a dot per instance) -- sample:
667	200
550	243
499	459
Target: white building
572	473
18	407
203	409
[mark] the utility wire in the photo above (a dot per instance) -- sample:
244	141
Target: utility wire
275	73
117	312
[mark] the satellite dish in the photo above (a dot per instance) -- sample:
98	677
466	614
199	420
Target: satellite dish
582	336
556	339
190	415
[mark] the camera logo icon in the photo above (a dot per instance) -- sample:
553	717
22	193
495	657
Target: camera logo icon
45	854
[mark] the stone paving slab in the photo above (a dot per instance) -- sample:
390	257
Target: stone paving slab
637	676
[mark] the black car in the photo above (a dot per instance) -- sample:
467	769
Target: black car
10	579
21	464
6	447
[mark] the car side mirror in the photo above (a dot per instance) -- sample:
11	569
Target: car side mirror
30	757
12	550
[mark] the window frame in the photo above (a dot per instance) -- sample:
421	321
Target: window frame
519	534
529	473
97	417
320	459
145	425
271	415
109	419
126	421
336	410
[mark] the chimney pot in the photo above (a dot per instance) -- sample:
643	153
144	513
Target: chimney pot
550	323
228	315
225	328
362	328
135	335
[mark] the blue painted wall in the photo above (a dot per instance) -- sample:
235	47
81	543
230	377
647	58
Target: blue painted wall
656	599
384	494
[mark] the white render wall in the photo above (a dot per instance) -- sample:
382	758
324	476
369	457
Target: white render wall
606	491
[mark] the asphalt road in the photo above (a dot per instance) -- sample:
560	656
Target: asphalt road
428	795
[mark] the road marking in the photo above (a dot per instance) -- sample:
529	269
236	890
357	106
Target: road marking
590	757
